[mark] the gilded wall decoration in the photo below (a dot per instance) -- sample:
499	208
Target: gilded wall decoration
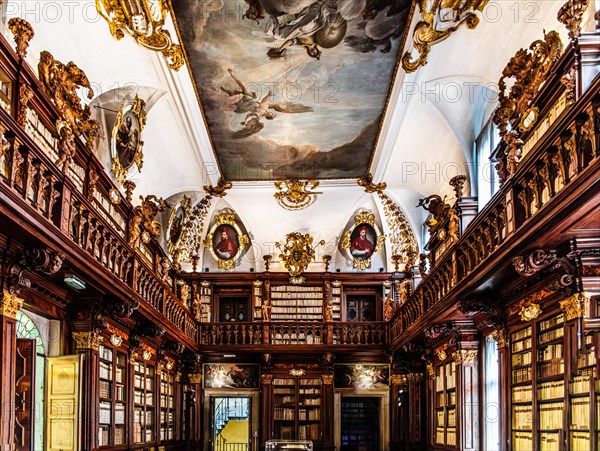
61	82
439	20
296	254
576	306
530	312
367	183
571	15
177	220
225	240
126	142
143	20
190	244
362	240
296	194
219	190
401	236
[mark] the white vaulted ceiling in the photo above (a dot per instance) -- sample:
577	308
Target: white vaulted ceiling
427	135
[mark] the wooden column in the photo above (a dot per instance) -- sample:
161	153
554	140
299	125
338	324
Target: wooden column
9	306
86	344
266	408
196	415
398	413
467	399
327	412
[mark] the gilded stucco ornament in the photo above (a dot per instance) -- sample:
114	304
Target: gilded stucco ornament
400	234
530	312
61	82
296	253
143	20
219	190
296	194
440	19
571	15
126	141
143	226
465	356
367	183
362	240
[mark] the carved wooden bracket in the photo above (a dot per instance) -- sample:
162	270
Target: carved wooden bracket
45	260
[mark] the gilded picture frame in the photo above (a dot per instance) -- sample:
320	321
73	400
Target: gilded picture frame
226	241
126	140
177	219
362	240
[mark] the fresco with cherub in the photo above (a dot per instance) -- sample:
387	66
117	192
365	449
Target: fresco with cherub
292	89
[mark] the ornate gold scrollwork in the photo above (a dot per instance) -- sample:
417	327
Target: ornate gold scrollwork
361	260
297	253
219	190
296	194
23	33
61	82
401	235
528	69
143	226
126	147
465	356
143	20
441	18
571	15
530	312
367	183
233	241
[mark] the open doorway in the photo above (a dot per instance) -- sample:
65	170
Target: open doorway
360	424
230	423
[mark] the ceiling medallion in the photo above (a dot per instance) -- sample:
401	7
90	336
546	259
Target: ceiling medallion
126	143
440	20
297	253
362	240
296	194
144	21
226	240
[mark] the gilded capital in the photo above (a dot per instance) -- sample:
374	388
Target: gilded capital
327	379
501	338
266	379
430	371
87	340
397	379
465	357
10	305
195	378
576	306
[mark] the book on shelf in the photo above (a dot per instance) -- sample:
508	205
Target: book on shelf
524	333
522	441
440	436
551	390
551	415
522	393
451	436
549	441
522	417
580	440
580	413
551	368
551	322
550	335
581	384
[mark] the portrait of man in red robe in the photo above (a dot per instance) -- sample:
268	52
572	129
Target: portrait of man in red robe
226	248
361	247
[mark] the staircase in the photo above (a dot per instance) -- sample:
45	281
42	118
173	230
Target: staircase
226	410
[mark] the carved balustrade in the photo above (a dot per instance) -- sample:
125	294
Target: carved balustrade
294	334
567	149
72	195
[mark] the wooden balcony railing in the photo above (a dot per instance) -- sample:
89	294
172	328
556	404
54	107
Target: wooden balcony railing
297	334
567	151
73	205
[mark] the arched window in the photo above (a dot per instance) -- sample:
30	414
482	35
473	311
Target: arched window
26	328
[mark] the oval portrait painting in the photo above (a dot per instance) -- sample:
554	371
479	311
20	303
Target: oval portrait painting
127	139
176	225
363	241
225	242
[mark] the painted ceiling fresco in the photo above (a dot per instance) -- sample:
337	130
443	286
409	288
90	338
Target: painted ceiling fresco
292	89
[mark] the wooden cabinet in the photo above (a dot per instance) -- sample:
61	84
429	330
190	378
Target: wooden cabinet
445	404
112	389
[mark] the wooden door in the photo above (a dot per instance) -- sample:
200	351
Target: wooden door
63	402
25	394
360	308
233	309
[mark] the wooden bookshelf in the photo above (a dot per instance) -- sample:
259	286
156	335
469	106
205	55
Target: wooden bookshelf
143	402
445	404
297	303
112	388
297	408
522	388
167	405
6	88
205	295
